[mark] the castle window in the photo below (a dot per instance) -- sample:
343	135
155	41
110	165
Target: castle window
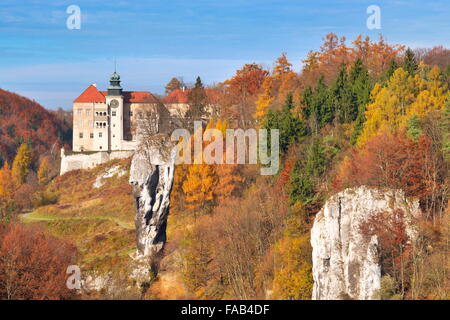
79	112
131	113
113	113
100	134
100	147
92	136
81	135
88	112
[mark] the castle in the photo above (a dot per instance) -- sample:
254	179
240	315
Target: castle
107	120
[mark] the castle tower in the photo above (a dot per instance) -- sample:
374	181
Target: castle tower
114	101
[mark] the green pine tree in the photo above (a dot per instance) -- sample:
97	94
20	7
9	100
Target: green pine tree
393	65
361	87
305	174
413	129
342	97
292	128
197	101
410	63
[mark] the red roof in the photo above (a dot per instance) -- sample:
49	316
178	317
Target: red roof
177	96
91	94
139	96
136	96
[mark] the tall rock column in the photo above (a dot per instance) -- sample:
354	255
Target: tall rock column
151	177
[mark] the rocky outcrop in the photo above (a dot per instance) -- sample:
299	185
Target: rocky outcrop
111	172
345	263
151	176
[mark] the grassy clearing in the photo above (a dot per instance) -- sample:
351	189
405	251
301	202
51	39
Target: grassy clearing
100	222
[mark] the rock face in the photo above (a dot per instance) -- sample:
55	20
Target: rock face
151	176
346	264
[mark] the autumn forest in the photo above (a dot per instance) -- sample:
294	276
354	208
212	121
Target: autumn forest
360	112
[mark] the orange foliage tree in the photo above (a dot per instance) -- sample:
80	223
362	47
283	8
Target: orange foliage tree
276	86
334	52
33	265
395	247
198	185
390	161
241	91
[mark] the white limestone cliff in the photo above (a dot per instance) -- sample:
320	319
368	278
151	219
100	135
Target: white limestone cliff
346	264
151	176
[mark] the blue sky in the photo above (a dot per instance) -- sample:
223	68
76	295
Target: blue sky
154	40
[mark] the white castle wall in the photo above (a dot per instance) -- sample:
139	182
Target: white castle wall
88	161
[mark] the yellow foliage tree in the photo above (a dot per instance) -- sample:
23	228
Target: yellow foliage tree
198	186
7	189
402	97
43	172
228	176
6	182
432	96
21	164
293	276
265	99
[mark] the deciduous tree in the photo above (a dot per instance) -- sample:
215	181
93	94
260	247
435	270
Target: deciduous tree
33	265
21	164
43	172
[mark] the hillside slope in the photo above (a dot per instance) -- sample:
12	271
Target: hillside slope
99	221
23	120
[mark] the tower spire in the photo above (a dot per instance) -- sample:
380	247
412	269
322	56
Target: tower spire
114	88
